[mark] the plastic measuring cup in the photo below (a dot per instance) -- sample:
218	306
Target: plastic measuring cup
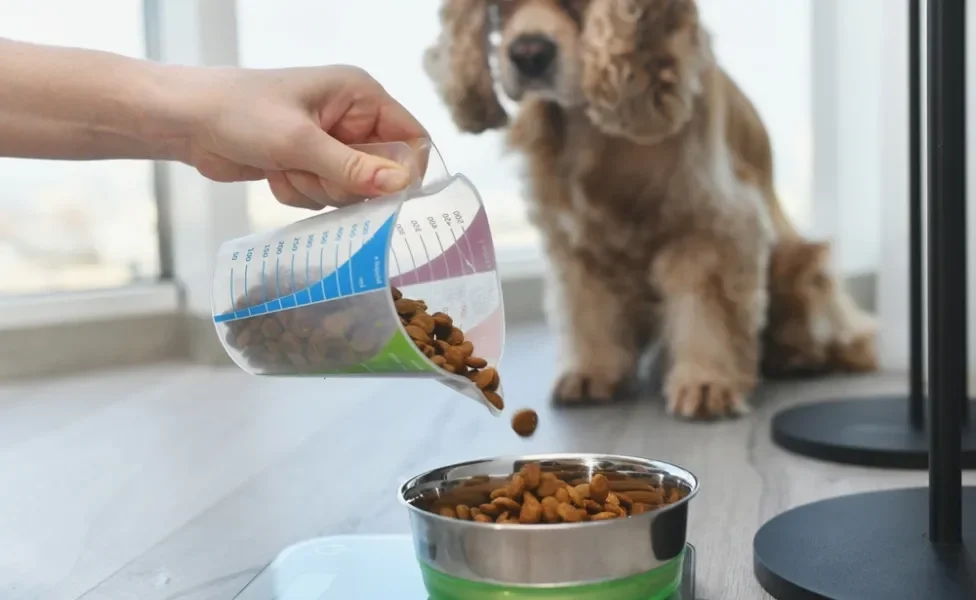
314	298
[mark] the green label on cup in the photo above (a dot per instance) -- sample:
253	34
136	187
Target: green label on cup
400	355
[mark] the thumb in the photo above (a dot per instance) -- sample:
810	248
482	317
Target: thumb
353	170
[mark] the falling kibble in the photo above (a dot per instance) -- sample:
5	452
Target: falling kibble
524	422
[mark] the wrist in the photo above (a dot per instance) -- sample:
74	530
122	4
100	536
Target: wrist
180	102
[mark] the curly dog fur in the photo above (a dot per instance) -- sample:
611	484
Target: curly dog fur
651	181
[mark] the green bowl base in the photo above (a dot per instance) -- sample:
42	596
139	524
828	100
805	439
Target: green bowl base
658	584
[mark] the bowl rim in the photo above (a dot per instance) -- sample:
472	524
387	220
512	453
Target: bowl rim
691	478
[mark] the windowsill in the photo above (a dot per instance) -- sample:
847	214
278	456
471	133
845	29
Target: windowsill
522	261
44	310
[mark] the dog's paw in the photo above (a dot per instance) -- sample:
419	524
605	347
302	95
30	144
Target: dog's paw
860	355
704	397
575	388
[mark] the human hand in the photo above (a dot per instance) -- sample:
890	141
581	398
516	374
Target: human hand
293	127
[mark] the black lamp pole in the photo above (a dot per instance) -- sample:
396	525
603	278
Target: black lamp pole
916	309
908	544
947	263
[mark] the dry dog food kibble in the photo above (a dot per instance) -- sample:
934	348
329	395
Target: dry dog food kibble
345	333
533	496
443	343
309	338
524	422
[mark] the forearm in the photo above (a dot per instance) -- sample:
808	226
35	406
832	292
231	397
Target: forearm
68	103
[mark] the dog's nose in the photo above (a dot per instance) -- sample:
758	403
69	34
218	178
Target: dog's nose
532	54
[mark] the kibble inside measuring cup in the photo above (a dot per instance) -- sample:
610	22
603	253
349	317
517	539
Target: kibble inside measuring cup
316	298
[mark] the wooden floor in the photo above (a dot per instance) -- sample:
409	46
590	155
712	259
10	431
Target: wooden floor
180	482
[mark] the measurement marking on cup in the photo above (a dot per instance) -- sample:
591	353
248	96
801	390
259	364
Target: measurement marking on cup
246	302
336	272
447	263
322	270
352	282
264	289
430	266
368	259
464	259
467	243
410	250
396	260
277	278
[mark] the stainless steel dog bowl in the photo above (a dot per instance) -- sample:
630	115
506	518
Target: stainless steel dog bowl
639	557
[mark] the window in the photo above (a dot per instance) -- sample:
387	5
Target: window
765	45
387	38
75	226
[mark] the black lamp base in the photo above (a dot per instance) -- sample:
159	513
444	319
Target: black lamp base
870	546
874	431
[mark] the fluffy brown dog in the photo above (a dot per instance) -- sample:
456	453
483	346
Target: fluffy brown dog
652	182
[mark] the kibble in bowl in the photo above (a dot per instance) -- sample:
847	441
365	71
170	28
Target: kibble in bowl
580	526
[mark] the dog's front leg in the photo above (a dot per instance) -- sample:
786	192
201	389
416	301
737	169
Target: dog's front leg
599	334
714	306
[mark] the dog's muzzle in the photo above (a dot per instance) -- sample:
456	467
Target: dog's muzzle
533	55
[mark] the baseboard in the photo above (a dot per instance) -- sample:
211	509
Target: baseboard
55	350
203	345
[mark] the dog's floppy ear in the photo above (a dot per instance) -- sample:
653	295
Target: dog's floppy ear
459	65
643	64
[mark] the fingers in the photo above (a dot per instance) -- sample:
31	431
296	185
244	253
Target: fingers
223	171
325	193
354	172
308	186
397	123
422	156
287	194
